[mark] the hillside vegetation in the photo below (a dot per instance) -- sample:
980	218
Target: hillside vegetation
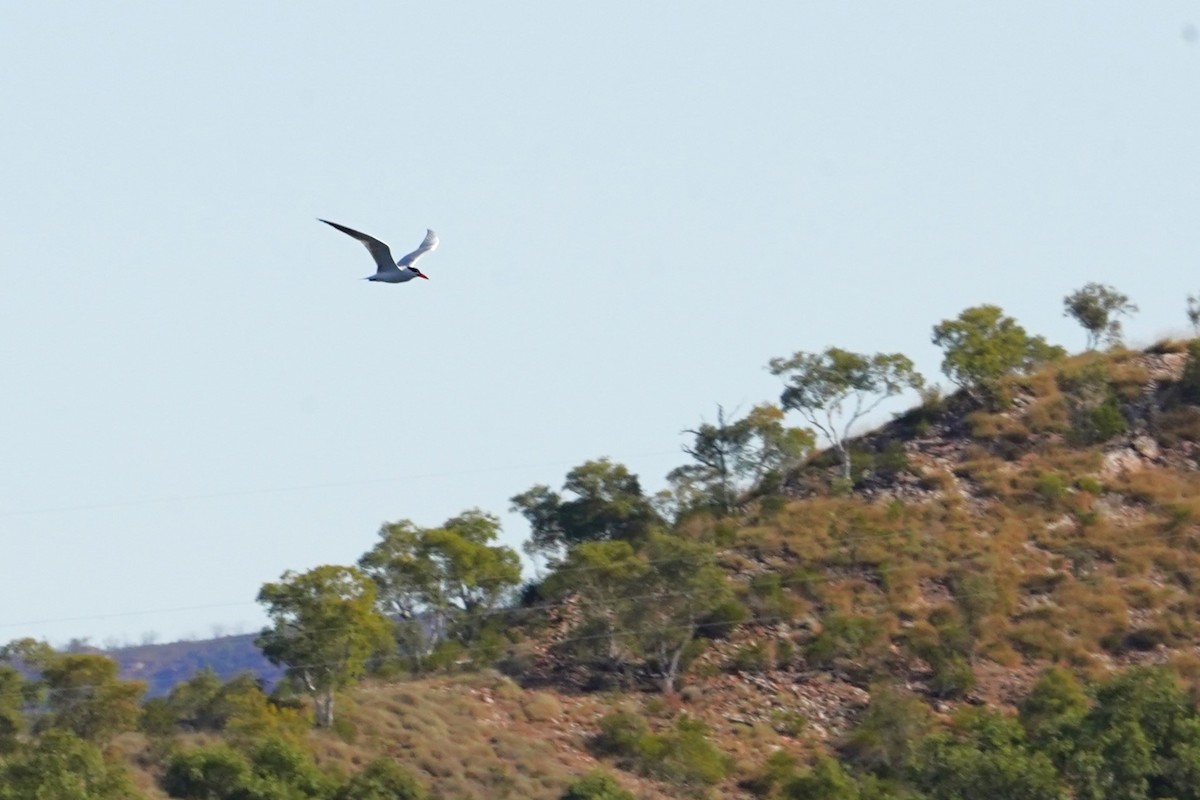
991	595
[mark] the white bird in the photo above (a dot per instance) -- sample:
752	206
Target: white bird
385	270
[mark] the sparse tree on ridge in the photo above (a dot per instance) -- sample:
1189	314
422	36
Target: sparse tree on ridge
1096	307
835	389
983	345
1193	312
324	628
733	457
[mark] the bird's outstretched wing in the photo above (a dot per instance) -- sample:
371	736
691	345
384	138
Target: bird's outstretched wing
430	243
378	250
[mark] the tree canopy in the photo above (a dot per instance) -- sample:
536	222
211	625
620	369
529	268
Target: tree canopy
441	582
983	345
1097	307
601	501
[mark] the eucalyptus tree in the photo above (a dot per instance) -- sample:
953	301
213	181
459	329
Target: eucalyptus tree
834	389
324	629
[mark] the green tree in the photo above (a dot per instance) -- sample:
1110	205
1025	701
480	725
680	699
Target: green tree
601	501
381	779
60	766
834	389
85	697
983	345
406	579
1097	307
324	627
733	457
604	576
442	582
1193	312
681	587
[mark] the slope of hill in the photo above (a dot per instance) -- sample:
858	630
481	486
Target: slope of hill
974	548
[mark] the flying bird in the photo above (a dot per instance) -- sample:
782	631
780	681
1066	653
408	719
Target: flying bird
386	270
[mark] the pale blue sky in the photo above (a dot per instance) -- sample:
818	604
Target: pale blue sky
639	203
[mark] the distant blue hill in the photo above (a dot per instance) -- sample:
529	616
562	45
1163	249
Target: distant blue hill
162	666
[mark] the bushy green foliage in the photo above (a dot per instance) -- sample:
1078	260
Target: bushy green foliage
596	786
85	697
893	724
1056	702
853	641
603	502
983	754
824	780
442	583
683	755
1094	408
58	765
272	768
983	345
381	779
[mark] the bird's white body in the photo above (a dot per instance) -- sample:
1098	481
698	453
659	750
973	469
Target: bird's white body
393	276
387	271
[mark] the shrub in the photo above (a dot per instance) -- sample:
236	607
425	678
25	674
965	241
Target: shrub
767	599
382	779
754	657
540	707
1051	487
889	730
201	773
596	786
621	734
788	723
683	756
846	637
825	780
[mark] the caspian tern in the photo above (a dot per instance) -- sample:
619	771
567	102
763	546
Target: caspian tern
387	271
